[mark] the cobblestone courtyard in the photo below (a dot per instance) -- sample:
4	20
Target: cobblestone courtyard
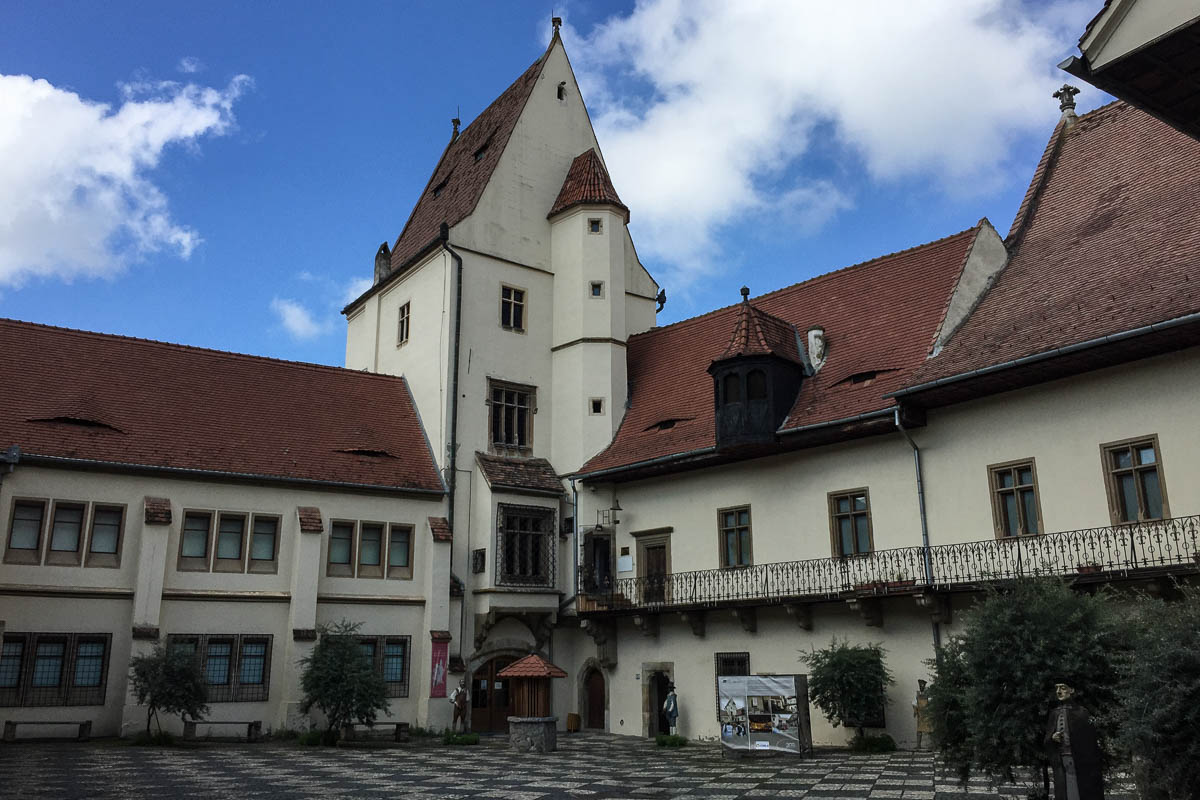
587	766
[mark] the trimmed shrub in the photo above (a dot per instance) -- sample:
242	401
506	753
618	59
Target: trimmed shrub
880	743
670	740
455	739
848	683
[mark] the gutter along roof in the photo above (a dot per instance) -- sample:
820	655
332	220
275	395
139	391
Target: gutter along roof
90	400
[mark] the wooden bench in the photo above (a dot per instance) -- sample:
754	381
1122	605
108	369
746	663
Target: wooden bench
253	727
400	734
10	727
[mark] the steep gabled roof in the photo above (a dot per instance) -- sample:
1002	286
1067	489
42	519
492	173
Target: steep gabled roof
757	333
1109	246
466	167
587	182
879	319
75	396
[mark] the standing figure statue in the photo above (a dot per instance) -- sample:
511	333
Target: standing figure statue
1073	749
921	712
671	709
459	699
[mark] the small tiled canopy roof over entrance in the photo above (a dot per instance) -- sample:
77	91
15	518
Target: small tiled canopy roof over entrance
531	666
531	475
78	398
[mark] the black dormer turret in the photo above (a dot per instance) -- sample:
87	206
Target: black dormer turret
756	379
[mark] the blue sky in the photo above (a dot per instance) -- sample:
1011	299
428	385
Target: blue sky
253	156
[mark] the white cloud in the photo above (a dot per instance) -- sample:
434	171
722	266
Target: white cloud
190	65
709	110
297	320
75	174
355	288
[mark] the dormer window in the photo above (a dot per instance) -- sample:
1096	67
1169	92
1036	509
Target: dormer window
732	389
756	385
479	153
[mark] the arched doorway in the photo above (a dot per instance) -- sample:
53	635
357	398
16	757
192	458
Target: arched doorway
491	704
594	690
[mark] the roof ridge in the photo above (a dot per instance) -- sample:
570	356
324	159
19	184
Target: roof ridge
814	279
196	349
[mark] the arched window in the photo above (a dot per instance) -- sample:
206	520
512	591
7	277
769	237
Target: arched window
732	389
756	385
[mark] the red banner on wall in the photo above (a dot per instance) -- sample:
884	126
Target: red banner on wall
440	662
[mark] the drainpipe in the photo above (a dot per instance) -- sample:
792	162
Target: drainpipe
574	547
937	628
452	456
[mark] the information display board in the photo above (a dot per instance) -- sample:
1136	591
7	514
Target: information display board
765	712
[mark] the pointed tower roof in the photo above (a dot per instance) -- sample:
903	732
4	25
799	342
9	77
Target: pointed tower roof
587	182
466	166
757	333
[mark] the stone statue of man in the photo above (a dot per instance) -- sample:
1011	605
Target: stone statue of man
671	709
459	699
921	712
1074	750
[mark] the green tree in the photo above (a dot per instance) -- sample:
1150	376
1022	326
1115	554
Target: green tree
1160	698
848	683
168	680
994	684
340	681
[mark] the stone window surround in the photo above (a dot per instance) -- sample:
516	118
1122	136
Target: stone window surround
233	691
722	529
996	492
244	563
353	569
380	642
1110	487
835	546
64	692
42	554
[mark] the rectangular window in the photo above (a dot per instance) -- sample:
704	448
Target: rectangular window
341	549
511	418
264	544
231	539
53	669
596	290
1136	489
525	543
104	541
25	532
217	659
237	668
402	325
252	669
850	519
66	533
193	540
1015	507
595	226
735	536
370	550
512	309
400	542
728	664
395	666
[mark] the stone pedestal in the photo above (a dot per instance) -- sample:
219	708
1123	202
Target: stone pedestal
537	734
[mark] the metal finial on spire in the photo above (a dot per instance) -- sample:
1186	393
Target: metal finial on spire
556	22
745	294
1066	98
455	122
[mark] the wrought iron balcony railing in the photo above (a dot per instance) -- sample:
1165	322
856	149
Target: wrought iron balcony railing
1120	551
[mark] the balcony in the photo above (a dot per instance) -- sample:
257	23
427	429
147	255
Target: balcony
1140	550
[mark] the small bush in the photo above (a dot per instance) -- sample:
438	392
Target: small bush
670	740
310	738
417	732
449	738
873	744
157	739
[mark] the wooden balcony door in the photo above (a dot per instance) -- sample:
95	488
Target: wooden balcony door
654	560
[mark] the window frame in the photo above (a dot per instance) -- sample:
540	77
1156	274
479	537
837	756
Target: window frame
66	558
720	660
21	555
238	564
340	569
514	304
595	226
834	514
529	410
379	643
403	323
591	406
263	566
1110	485
233	690
592	287
112	560
197	563
64	692
504	575
371	570
721	531
399	572
995	492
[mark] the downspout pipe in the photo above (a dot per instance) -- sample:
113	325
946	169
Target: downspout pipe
928	563
452	456
574	547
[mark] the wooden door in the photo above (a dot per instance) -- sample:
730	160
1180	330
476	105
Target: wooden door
659	687
654	571
491	703
595	699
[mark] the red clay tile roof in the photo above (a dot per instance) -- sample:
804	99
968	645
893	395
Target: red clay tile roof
757	333
879	317
531	666
465	168
535	475
1111	246
310	519
157	511
440	528
440	636
587	182
77	395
